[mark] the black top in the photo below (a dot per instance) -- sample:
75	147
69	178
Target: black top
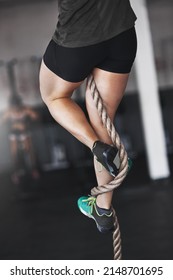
87	22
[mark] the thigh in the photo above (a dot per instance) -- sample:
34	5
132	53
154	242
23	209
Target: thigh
52	86
111	76
111	87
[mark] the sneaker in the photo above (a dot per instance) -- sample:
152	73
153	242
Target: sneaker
105	221
108	156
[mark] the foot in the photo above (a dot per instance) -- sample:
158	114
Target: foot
108	156
104	218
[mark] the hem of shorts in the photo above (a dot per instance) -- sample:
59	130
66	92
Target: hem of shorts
67	79
62	76
114	71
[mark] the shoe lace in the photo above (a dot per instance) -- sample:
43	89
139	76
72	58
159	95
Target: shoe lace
90	201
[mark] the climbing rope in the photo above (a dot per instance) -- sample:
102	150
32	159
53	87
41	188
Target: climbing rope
116	182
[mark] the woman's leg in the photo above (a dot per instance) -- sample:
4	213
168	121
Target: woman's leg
15	161
56	93
111	87
28	149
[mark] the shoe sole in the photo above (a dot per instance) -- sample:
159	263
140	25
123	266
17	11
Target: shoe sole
101	229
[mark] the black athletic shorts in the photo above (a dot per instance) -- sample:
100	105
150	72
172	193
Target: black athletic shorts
75	64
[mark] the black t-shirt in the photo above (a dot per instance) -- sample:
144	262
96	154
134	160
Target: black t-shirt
87	22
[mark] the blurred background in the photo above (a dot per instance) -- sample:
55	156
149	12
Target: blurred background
43	169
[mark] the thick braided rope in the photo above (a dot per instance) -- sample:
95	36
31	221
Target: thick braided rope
123	160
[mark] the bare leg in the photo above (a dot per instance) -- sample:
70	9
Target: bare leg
28	146
111	87
56	93
13	145
14	149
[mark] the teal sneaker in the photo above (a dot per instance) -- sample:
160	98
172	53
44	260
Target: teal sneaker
104	221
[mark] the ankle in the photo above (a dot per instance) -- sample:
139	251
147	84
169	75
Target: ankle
91	143
103	210
103	205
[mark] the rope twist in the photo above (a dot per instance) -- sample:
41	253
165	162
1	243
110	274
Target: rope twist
116	182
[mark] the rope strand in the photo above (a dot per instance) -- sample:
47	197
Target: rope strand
116	182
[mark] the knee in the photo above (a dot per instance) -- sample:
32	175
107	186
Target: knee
51	92
47	93
47	96
48	89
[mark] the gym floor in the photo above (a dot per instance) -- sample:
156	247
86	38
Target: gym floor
40	220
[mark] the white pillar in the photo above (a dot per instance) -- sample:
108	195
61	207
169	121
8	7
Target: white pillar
149	95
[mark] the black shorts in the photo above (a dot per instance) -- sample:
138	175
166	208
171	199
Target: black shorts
75	64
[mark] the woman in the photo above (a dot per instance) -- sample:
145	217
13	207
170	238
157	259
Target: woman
98	37
18	117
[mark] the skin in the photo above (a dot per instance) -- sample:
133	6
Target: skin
56	94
